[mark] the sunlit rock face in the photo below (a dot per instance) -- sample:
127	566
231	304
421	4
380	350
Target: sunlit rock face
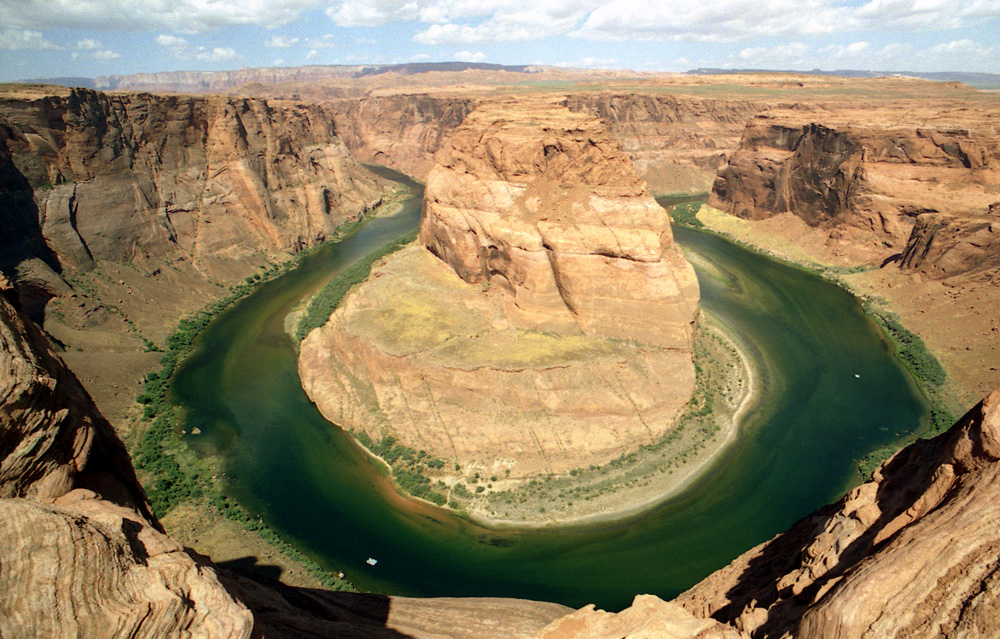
545	323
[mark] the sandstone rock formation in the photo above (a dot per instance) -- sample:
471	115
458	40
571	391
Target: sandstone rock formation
675	143
52	438
80	553
83	567
911	553
541	202
118	176
554	331
402	130
891	178
648	617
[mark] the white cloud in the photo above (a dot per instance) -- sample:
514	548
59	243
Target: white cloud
281	42
171	41
590	63
217	54
17	39
783	56
106	55
419	57
184	16
852	51
469	56
733	20
88	43
312	54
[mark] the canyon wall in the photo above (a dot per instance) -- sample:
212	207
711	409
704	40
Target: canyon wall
675	143
910	553
910	181
547	325
402	131
116	176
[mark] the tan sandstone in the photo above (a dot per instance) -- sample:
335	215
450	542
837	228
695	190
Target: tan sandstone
554	328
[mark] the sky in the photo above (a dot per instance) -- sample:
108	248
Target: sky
87	38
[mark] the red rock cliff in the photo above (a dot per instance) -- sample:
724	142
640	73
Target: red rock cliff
179	176
921	182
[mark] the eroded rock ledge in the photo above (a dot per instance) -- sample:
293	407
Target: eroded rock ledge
909	182
554	331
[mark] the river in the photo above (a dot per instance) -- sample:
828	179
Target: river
831	392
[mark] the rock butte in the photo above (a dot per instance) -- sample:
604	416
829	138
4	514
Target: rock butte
547	326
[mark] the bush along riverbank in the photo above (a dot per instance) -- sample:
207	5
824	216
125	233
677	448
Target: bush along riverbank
171	472
924	368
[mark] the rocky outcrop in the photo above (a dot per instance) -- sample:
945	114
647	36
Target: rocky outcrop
677	144
80	553
121	176
83	567
555	329
52	438
551	211
910	553
648	617
943	246
402	131
867	175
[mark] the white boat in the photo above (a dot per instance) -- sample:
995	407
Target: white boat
371	561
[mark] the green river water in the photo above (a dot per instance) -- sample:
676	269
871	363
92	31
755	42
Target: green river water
831	392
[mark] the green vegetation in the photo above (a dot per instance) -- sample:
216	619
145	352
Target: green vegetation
686	214
409	467
923	366
326	300
171	472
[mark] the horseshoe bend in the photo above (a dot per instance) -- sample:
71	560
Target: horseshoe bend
543	323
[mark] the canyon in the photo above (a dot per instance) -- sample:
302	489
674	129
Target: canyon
546	323
123	212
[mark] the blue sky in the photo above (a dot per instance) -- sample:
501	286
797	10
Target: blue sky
47	38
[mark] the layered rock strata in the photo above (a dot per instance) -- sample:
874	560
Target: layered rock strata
119	176
675	143
895	179
52	438
910	553
80	553
548	324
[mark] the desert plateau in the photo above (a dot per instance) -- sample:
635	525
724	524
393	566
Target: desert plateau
459	349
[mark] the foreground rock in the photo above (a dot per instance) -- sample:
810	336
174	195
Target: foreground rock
921	182
911	553
648	617
552	331
80	553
